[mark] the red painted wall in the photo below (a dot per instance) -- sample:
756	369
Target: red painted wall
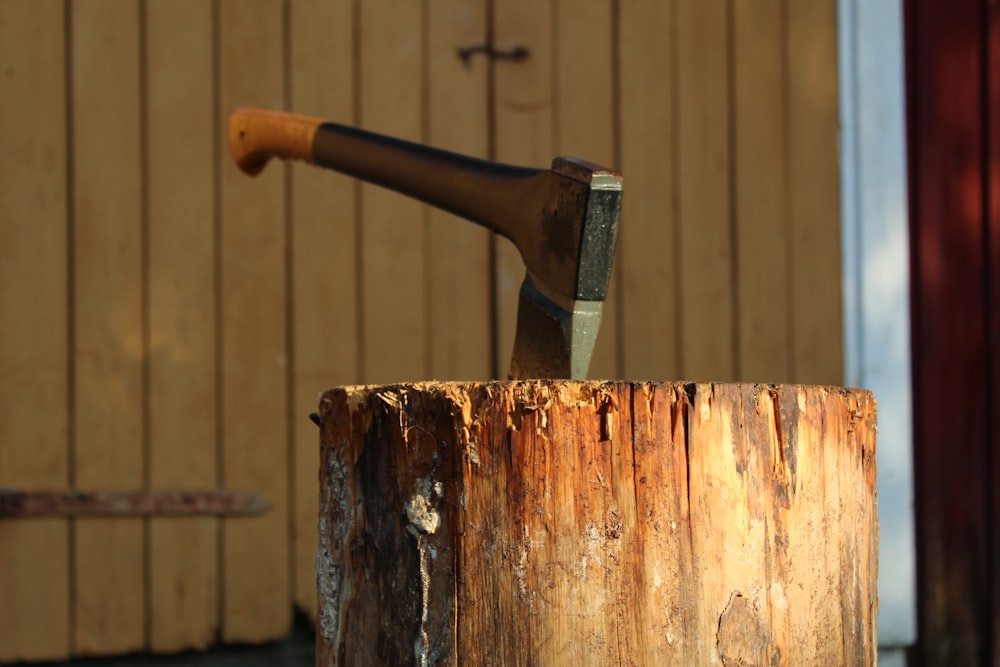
953	98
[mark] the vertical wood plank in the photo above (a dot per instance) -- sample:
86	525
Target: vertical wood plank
992	309
183	552
523	134
458	315
323	261
949	319
761	253
109	609
393	228
814	191
704	190
585	101
647	251
34	555
257	590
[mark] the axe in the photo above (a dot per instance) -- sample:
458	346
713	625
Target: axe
563	220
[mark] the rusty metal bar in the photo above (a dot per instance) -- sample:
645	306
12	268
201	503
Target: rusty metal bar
15	504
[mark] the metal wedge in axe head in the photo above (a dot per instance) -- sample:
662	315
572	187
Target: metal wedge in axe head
563	220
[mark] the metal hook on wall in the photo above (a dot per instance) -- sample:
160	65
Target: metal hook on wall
515	54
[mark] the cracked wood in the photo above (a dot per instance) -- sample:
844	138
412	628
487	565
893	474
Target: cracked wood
595	523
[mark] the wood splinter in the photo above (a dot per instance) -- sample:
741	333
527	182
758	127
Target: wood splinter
585	523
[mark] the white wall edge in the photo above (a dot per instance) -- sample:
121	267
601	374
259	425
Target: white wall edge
875	242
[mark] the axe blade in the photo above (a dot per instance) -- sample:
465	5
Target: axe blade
554	338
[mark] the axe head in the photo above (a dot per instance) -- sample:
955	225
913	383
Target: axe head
559	309
553	340
564	220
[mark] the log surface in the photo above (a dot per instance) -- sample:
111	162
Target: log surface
585	523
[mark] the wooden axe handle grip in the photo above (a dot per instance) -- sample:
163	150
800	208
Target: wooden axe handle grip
257	135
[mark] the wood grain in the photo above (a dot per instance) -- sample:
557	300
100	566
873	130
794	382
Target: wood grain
256	568
567	523
34	382
324	267
183	448
109	571
647	248
814	191
762	257
704	108
393	228
459	317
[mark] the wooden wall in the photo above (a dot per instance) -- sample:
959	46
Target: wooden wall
167	322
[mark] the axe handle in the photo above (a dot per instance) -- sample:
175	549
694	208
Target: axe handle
486	193
540	210
257	135
503	198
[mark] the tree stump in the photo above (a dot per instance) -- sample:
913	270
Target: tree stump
585	523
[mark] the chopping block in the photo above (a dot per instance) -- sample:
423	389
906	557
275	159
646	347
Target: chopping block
558	522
